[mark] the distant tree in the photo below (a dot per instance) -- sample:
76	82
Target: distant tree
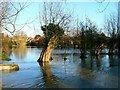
18	38
9	12
37	37
100	42
111	27
66	41
118	28
6	43
87	30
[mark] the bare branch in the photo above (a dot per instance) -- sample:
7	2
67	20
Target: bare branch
101	3
54	13
9	13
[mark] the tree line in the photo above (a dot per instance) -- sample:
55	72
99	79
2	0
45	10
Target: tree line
54	21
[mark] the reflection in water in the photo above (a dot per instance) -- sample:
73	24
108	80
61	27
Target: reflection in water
105	64
98	61
88	63
92	72
48	77
113	60
20	52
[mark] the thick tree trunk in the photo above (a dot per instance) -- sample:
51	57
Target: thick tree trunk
97	52
119	49
47	54
98	49
111	49
47	50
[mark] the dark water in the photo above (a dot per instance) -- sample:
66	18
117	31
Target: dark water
93	72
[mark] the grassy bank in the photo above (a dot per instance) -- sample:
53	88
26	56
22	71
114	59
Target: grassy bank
4	57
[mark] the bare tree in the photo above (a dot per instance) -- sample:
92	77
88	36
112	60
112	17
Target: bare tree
118	27
9	12
100	3
111	27
54	22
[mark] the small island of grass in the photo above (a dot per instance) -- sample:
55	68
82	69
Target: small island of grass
4	57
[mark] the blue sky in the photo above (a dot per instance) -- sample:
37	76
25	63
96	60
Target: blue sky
90	10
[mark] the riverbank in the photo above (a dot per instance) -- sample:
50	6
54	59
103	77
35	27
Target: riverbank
4	57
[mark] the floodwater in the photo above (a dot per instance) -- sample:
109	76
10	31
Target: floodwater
93	72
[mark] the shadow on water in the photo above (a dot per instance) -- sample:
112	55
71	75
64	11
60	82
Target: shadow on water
48	78
20	53
100	62
92	72
113	60
100	71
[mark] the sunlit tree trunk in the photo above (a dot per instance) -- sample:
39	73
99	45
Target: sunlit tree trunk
111	49
98	49
45	55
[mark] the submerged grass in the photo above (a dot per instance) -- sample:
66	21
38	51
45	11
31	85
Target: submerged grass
4	57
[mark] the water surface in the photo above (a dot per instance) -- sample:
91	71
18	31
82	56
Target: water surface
93	72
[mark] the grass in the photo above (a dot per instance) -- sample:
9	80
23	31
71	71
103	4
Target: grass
3	57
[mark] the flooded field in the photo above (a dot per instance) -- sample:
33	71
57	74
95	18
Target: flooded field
93	72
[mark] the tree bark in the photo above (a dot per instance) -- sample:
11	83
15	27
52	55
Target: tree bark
110	51
98	49
47	50
112	47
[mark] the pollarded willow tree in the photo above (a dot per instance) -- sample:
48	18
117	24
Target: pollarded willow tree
111	27
54	22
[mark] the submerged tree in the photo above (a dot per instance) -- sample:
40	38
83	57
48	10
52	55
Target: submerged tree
100	42
118	28
87	37
52	34
111	27
55	22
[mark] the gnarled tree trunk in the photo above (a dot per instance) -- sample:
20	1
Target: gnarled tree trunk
112	47
98	49
47	50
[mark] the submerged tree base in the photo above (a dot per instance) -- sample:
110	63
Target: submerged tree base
41	61
4	57
83	56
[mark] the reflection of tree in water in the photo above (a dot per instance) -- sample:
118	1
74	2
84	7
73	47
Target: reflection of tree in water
113	60
48	77
87	63
20	52
105	61
102	62
98	61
